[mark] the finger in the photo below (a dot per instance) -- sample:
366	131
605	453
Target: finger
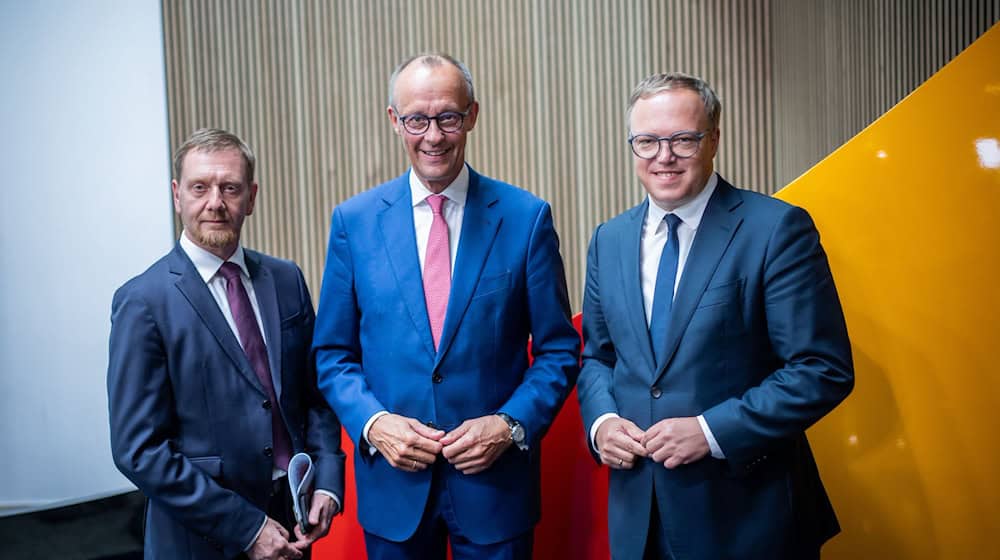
473	466
454	435
458	448
418	455
426	431
661	455
289	551
635	449
633	432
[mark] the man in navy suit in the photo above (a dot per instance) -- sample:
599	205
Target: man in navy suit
713	338
210	381
434	281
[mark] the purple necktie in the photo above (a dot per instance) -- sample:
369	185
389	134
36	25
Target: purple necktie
253	345
437	269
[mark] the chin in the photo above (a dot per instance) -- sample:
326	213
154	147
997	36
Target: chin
217	239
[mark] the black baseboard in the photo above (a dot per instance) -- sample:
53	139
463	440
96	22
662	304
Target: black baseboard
105	529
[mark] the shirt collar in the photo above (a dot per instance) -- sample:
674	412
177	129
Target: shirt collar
208	264
690	213
456	192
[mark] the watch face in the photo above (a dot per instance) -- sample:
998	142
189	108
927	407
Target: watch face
517	433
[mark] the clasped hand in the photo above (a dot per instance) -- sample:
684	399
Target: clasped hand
411	446
672	442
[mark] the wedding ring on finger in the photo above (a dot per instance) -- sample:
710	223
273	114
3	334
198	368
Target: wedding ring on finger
621	462
414	467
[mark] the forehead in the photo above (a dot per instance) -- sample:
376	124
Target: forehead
201	163
420	86
669	111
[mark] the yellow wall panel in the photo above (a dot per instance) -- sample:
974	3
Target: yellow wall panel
908	213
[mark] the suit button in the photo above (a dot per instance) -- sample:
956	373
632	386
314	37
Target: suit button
436	378
266	405
655	392
268	451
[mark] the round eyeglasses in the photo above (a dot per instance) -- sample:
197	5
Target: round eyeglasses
682	144
448	121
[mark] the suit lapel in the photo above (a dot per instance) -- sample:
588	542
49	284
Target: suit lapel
267	299
480	223
718	225
191	285
631	241
399	240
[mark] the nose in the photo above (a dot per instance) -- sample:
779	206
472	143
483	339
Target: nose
214	198
665	155
433	134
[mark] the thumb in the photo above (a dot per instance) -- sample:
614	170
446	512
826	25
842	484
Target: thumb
426	431
452	436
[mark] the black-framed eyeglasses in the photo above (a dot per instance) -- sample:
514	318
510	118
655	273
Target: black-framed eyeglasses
682	144
448	121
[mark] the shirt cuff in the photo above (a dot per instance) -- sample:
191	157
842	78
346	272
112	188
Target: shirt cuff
256	535
597	424
368	426
712	444
334	497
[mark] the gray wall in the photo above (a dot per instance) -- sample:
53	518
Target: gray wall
85	205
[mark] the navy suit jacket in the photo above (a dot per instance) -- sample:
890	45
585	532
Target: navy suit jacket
375	351
190	421
757	344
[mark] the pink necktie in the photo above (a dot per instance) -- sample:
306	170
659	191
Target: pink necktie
253	345
437	269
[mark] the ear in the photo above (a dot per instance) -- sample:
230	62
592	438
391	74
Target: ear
174	187
393	119
714	136
253	198
470	120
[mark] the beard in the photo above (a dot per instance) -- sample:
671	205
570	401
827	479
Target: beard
216	239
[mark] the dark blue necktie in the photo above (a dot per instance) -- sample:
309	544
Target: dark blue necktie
663	296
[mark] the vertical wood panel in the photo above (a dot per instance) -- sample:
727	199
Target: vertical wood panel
305	82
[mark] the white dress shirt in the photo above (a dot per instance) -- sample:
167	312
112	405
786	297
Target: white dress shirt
654	238
453	211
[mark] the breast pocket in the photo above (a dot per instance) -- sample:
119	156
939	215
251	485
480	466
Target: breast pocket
719	310
493	284
721	294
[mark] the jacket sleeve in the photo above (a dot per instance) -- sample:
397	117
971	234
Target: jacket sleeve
808	334
555	344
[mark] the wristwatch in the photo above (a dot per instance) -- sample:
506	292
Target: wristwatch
516	431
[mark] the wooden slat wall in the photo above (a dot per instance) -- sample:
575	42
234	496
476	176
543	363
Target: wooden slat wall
304	81
838	66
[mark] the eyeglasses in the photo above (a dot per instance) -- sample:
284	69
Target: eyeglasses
448	121
682	144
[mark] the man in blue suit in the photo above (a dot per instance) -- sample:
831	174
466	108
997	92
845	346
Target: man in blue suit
210	381
713	338
434	281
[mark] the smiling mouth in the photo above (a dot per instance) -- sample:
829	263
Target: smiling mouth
435	153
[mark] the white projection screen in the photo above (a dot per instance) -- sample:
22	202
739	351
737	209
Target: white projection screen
85	205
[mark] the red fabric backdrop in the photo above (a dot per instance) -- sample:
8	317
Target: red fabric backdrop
574	498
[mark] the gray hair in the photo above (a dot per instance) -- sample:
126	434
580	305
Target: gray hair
671	81
432	59
215	140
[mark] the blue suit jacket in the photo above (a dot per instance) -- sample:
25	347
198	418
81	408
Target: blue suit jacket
375	352
757	344
190	421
